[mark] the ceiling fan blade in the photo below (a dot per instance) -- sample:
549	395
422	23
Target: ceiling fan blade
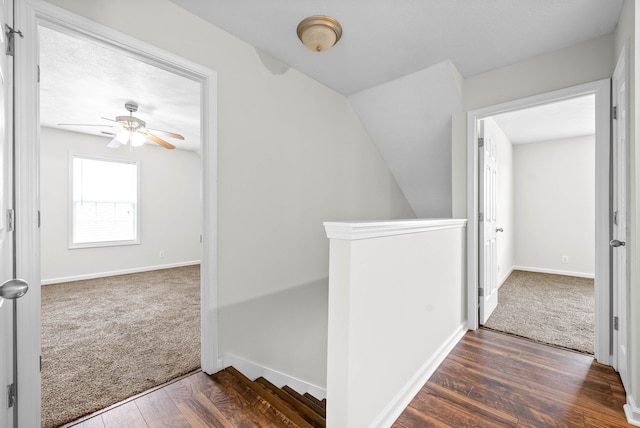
106	118
160	141
167	133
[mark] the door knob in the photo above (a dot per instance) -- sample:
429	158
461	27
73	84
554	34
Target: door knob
13	289
499	229
616	243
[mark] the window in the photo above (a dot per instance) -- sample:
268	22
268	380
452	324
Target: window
104	204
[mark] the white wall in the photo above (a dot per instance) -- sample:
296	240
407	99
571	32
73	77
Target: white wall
170	209
397	307
583	63
555	206
505	218
292	154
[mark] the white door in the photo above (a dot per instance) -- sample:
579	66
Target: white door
619	229
7	269
487	229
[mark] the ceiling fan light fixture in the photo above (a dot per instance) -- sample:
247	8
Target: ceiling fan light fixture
123	136
319	33
137	139
114	143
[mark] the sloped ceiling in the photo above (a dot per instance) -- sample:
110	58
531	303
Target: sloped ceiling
399	62
410	121
386	39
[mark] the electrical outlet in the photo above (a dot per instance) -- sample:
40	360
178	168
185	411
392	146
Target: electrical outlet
162	254
565	259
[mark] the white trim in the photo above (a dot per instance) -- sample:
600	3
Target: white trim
601	89
399	403
62	279
632	412
254	370
72	207
29	14
354	230
504	278
555	272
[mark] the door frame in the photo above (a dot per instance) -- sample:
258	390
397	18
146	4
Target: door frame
601	89
30	14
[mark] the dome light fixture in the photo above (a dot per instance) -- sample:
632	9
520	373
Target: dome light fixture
319	33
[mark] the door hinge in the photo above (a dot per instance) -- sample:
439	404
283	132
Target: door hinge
11	394
615	323
11	220
614	112
480	216
615	218
38	219
38	74
480	142
480	292
10	32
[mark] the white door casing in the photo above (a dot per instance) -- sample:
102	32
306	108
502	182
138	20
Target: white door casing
28	15
620	268
488	197
601	89
6	237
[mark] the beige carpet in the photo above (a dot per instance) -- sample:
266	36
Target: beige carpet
104	340
554	309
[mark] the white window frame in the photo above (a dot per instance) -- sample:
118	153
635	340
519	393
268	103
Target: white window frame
136	240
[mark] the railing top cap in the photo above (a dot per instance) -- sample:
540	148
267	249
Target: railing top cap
353	230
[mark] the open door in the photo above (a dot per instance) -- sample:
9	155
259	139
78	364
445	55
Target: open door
6	237
487	225
11	289
619	266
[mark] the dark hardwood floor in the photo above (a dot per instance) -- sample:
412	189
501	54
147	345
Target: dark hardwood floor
489	380
494	380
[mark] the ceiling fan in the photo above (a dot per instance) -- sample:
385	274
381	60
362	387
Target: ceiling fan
133	131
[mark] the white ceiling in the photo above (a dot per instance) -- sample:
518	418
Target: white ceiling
82	81
384	39
569	118
385	44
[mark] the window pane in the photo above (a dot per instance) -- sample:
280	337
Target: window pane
105	195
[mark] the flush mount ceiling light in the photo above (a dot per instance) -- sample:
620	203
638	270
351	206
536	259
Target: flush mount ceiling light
319	33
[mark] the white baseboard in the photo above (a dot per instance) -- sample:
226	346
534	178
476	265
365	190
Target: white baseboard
555	272
394	409
632	412
114	273
254	370
504	278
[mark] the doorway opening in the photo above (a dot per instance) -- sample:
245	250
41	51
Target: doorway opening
600	93
121	226
29	18
545	202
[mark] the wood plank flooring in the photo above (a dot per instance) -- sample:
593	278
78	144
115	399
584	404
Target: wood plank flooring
489	380
494	380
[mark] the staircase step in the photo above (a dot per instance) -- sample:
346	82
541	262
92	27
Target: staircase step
270	401
316	408
264	410
322	403
308	413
